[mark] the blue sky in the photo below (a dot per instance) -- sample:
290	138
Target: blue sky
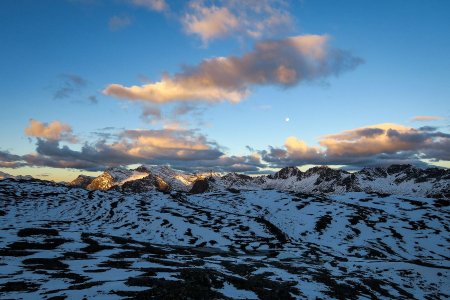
59	57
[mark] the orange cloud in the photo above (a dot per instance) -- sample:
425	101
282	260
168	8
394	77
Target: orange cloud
368	140
284	62
52	131
369	145
299	148
145	143
182	149
426	118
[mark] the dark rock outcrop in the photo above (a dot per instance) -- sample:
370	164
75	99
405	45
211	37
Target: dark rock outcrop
145	184
286	172
200	186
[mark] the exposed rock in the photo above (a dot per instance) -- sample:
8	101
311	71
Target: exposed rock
145	184
286	172
200	186
82	181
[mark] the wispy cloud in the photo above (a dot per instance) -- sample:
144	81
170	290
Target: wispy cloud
151	114
249	18
155	5
73	87
70	84
426	118
93	99
285	63
210	22
118	22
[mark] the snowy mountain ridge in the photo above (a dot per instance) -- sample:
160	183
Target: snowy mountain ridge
395	179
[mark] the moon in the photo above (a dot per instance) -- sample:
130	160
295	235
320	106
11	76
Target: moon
287	119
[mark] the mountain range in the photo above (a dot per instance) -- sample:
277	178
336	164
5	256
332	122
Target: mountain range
394	179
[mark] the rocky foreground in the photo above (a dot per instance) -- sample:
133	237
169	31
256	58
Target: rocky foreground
62	242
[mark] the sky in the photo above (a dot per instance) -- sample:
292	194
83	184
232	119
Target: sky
239	85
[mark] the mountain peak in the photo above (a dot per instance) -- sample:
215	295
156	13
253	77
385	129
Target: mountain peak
286	172
325	172
4	175
398	168
81	181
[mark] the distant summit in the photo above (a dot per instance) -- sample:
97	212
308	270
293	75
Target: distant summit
4	175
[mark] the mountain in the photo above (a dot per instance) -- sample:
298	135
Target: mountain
395	179
61	242
82	181
141	179
113	177
4	175
177	180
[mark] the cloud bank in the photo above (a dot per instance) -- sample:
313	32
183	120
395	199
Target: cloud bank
181	148
374	145
8	160
284	63
184	149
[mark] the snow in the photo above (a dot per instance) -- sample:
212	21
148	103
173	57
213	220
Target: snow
231	291
135	175
397	241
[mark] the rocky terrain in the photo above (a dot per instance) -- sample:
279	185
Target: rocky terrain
154	232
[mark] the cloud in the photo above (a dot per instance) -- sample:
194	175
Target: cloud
151	114
248	18
426	118
55	131
155	5
247	163
284	63
70	84
118	22
8	160
381	144
368	146
93	99
209	22
178	116
183	149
